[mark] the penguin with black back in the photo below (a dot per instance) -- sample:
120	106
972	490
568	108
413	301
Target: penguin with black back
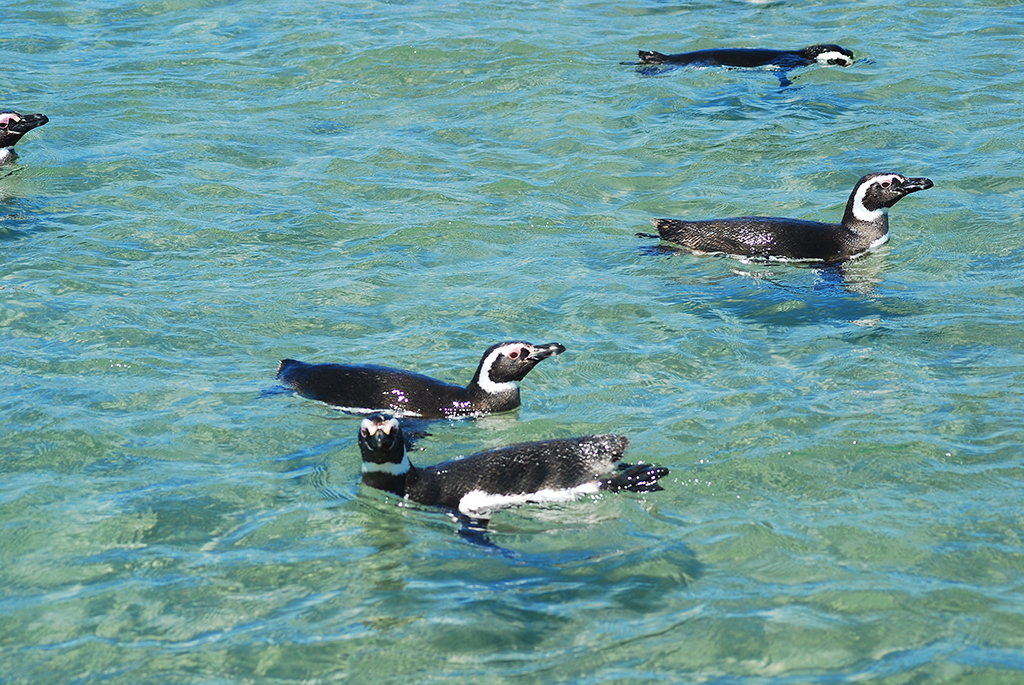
12	127
754	57
365	388
865	226
476	485
783	60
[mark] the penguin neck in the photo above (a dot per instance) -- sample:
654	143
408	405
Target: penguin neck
389	476
870	225
493	396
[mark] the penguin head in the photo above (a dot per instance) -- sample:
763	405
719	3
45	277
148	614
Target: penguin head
875	193
505	363
382	444
13	126
835	55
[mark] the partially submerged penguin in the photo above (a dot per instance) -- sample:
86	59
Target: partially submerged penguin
12	127
364	388
529	472
865	226
754	57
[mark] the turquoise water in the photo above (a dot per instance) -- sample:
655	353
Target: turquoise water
225	184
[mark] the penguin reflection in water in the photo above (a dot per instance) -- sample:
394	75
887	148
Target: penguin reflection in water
473	486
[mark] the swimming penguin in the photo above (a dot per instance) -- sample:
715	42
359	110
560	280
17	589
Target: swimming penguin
865	226
529	472
754	57
12	127
363	388
782	60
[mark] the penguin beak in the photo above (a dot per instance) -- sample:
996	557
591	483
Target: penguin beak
26	123
373	441
912	185
541	352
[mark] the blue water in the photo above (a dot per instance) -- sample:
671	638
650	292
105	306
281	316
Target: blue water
222	185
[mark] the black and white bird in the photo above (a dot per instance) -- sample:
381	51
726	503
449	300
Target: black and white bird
780	61
865	226
365	388
529	472
12	127
754	57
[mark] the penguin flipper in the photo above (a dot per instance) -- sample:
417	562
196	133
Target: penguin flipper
474	531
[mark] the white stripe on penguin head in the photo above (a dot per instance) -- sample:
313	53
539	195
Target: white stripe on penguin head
862	213
824	57
485	382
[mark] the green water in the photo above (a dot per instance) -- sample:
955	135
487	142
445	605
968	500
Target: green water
222	185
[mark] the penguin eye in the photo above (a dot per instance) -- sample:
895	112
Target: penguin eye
3	124
514	354
885	184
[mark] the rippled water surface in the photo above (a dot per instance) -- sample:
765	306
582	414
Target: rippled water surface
222	185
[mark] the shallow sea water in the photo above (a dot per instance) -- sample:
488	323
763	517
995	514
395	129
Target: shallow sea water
222	185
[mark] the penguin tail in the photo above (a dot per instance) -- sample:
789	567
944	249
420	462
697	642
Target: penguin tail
651	57
637	477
